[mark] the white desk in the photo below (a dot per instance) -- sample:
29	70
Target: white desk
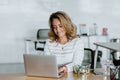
108	45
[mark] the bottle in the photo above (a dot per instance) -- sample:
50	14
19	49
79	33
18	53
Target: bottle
107	68
95	28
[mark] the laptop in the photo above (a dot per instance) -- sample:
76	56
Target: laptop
42	65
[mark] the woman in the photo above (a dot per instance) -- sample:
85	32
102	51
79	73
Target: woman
63	41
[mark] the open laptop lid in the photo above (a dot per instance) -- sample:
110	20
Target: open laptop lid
41	65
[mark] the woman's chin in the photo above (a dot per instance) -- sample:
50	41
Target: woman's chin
61	36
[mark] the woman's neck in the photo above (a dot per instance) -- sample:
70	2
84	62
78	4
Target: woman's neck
62	40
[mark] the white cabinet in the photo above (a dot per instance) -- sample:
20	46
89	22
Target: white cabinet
89	40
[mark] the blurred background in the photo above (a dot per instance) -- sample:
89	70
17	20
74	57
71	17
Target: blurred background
20	19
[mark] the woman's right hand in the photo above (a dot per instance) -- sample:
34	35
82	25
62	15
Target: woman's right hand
63	69
60	69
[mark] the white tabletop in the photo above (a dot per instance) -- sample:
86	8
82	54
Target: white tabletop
109	45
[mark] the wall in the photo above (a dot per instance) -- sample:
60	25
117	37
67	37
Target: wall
20	19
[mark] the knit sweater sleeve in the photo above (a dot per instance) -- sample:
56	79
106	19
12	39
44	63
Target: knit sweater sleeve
78	54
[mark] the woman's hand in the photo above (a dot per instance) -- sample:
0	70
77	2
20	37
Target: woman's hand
63	69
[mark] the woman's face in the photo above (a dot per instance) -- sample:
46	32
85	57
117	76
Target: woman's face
58	28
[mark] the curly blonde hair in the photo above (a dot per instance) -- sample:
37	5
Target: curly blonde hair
65	22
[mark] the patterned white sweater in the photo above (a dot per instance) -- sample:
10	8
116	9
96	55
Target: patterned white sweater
71	51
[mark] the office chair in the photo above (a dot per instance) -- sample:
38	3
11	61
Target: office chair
89	53
115	55
42	35
88	57
41	48
115	61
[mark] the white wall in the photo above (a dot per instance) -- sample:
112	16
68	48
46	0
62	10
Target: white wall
22	18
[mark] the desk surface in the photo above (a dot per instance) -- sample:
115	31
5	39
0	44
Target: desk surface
109	45
67	76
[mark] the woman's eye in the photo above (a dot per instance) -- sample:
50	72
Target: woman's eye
60	26
54	27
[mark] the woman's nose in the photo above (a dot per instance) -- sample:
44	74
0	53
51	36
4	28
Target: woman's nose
58	29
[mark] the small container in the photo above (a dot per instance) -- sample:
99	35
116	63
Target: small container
104	31
81	69
84	29
93	29
88	68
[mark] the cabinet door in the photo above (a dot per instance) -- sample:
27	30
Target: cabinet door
85	41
